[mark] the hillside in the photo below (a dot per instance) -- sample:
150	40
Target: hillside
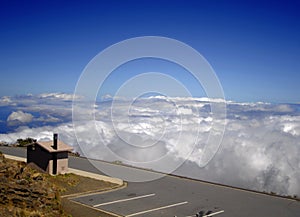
27	192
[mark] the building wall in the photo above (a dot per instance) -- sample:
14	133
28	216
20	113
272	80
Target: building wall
44	159
62	166
39	156
50	167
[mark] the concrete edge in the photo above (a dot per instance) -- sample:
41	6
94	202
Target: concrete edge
95	192
78	172
96	176
11	157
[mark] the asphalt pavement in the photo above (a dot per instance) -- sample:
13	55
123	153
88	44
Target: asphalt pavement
175	196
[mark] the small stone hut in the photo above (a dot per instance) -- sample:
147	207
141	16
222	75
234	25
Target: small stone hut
50	156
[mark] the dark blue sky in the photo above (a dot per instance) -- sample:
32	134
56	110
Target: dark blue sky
253	46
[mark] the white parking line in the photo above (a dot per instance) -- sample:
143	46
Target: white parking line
123	200
158	208
215	213
212	214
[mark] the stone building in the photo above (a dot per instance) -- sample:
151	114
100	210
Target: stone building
50	156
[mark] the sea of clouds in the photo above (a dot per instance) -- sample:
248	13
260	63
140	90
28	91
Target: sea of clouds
260	148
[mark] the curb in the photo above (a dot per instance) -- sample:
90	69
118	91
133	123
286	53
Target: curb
11	157
96	176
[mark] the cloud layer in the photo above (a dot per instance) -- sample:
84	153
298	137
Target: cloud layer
20	116
260	148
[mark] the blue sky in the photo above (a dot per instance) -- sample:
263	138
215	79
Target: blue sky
253	46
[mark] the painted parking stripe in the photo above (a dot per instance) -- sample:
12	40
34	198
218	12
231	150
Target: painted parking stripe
156	209
215	213
212	214
124	200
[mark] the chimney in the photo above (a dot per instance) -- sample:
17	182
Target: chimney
55	136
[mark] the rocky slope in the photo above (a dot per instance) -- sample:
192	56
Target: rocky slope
26	192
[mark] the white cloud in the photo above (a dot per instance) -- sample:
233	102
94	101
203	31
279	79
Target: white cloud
107	97
6	99
60	96
48	118
260	149
20	116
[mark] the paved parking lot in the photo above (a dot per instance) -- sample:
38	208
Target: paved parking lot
173	196
127	203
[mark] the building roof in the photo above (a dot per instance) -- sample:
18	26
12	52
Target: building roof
61	146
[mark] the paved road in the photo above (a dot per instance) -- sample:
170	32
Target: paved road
182	197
